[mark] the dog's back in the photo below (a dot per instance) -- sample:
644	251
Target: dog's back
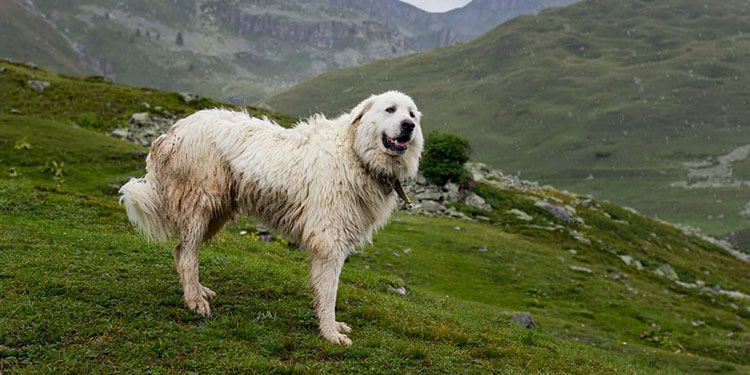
206	161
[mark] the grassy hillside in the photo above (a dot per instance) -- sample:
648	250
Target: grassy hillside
604	96
84	293
92	102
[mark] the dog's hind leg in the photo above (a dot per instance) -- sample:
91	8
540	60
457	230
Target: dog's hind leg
186	261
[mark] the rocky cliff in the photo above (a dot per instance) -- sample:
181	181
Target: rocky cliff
234	50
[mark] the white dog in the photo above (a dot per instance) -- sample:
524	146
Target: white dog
325	184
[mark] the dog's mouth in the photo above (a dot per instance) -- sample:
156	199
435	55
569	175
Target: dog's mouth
397	145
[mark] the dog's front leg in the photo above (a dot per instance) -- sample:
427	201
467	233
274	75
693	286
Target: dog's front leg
325	270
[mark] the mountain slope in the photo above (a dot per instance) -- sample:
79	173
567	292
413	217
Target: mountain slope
83	292
480	16
641	102
94	103
228	49
27	37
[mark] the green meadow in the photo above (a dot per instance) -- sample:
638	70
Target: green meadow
83	292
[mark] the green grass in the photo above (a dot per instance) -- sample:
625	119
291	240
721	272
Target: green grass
84	293
94	103
646	85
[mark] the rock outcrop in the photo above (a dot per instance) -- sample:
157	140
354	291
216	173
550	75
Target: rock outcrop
433	200
143	127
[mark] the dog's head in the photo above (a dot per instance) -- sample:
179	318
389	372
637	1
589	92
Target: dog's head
387	134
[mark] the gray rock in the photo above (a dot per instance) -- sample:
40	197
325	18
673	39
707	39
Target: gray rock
144	127
521	215
477	174
400	290
745	213
141	118
450	187
482	249
189	97
559	213
38	86
451	193
452	212
580	269
587	203
428	195
265	237
525	320
476	201
665	270
3	69
120	133
628	260
432	207
15	111
580	237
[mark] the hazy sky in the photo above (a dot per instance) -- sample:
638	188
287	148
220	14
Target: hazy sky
437	5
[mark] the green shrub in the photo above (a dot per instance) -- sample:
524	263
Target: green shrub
444	157
89	120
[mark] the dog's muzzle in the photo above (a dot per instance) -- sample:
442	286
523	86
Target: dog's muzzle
400	143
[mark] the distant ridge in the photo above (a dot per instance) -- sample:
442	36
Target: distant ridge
237	51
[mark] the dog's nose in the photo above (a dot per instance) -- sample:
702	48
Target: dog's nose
407	126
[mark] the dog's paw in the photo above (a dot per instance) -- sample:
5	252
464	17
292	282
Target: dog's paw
199	305
207	293
337	338
343	327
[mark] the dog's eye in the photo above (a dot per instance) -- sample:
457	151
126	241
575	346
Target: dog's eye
391	109
411	113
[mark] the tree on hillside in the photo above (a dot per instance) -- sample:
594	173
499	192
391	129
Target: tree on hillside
444	157
179	41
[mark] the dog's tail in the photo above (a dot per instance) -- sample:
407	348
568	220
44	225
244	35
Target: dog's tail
143	206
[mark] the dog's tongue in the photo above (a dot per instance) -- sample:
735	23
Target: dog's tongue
399	143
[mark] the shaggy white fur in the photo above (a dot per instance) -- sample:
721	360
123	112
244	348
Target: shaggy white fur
325	184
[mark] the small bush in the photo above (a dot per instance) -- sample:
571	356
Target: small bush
444	157
57	170
88	120
22	144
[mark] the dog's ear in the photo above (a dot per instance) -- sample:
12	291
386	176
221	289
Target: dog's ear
359	111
